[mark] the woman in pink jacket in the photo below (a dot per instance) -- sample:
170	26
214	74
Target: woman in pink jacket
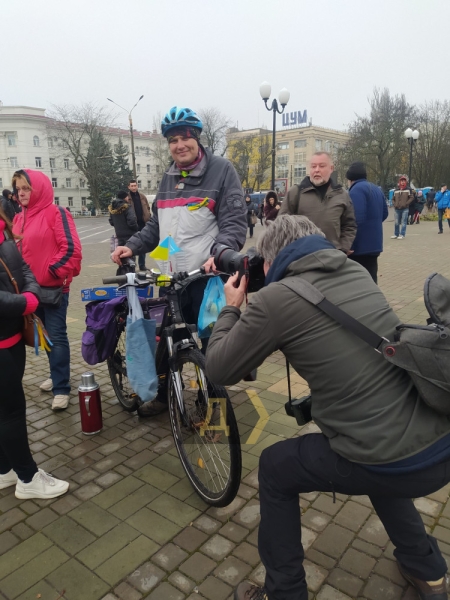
51	246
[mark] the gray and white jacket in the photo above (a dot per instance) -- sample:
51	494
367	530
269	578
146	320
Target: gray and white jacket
198	211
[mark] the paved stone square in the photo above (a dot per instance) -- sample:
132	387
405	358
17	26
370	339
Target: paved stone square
131	526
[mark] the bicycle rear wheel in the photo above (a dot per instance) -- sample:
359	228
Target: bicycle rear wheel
118	373
205	430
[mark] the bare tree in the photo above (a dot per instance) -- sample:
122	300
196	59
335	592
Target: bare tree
160	151
77	129
215	126
431	161
378	139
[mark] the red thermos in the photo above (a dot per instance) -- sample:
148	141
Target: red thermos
90	404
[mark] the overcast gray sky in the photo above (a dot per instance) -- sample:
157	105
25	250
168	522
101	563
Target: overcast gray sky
200	53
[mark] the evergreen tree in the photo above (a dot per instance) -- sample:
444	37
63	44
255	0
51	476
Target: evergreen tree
100	171
122	166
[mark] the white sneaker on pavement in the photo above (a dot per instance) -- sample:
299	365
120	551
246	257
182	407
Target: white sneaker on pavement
60	402
8	479
394	237
46	386
401	237
43	485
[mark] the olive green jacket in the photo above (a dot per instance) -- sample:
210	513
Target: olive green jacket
367	407
334	215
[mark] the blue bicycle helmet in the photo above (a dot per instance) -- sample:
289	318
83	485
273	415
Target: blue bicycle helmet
180	117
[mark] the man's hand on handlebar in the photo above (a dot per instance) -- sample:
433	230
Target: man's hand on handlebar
210	266
121	252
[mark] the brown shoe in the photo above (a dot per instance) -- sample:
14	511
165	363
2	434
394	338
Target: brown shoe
250	591
424	589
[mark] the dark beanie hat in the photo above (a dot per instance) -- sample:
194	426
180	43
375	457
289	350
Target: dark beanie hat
122	195
356	170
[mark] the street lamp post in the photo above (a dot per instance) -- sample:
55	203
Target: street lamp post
133	155
411	136
283	97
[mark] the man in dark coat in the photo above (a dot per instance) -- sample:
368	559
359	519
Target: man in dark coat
9	205
142	210
370	212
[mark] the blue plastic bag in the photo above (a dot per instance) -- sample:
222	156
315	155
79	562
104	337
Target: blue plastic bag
213	302
140	350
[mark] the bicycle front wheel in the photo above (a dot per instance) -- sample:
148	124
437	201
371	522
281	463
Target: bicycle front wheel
117	369
205	430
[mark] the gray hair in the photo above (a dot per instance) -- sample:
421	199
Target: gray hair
282	232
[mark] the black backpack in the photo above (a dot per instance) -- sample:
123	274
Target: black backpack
421	350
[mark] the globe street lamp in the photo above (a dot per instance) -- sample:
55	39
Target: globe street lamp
133	156
283	97
411	136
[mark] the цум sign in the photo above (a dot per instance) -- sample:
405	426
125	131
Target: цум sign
295	118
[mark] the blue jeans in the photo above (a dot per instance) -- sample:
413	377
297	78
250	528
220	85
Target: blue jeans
441	212
141	262
54	320
401	217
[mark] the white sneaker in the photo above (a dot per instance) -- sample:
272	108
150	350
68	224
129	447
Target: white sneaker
394	237
46	386
401	237
60	402
8	479
43	485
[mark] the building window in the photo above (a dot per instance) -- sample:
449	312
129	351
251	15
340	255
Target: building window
138	168
327	146
38	162
50	142
148	168
149	184
147	152
64	144
318	145
283	146
300	157
82	183
282	160
299	171
57	201
300	144
70	202
54	182
139	183
66	163
137	152
83	201
13	161
68	182
36	141
282	172
11	140
53	163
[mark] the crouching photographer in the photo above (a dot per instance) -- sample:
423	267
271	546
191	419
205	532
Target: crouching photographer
378	438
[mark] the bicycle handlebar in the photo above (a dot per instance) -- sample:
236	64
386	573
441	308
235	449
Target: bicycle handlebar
149	278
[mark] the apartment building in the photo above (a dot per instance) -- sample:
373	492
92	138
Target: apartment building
27	140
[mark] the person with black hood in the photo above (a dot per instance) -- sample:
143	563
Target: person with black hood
370	212
271	206
122	217
251	213
9	205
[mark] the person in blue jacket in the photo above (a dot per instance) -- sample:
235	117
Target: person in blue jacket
442	202
370	212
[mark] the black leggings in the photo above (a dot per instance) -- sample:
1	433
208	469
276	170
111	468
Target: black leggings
14	449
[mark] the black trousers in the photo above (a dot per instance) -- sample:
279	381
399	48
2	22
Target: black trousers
369	262
14	449
441	212
308	464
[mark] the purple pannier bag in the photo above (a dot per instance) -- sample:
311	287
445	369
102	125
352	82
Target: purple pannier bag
100	338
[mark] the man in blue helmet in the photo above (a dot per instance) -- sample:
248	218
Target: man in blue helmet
200	203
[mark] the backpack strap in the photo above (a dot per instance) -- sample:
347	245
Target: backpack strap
311	294
296	201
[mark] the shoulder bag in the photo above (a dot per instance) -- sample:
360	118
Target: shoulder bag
31	322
